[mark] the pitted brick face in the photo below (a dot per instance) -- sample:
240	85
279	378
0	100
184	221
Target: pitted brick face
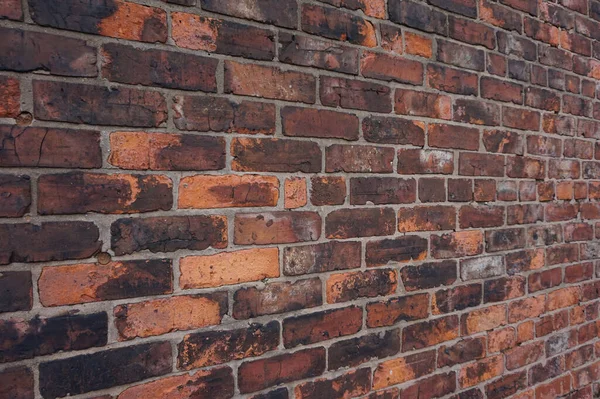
316	199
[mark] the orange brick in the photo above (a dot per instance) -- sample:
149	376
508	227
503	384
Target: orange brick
483	319
397	371
295	192
483	370
133	21
554	389
229	268
564	190
500	340
563	298
526	308
226	191
10	97
160	316
525	331
82	283
371	283
418	45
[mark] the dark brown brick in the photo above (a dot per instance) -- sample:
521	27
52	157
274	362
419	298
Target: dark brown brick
429	275
414	161
121	366
96	105
481	216
417	15
16	292
428	333
476	112
277	298
471	164
328	190
317	53
349	286
453	136
394	130
318	258
15	195
355	94
86	192
503	142
382	190
397	250
459	55
49	241
17	383
357	222
452	80
463	351
275	155
456	299
355	351
44	336
280	13
216	347
306	122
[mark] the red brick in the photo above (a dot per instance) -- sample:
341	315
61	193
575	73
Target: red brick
384	130
11	9
398	250
525	214
83	283
419	103
276	227
217	347
382	190
471	164
414	161
507	385
10	97
306	122
483	370
321	326
17	383
526	308
463	351
92	192
338	25
317	258
483	319
505	239
269	82
481	216
426	218
277	297
501	90
360	222
471	32
432	387
392	311
562	298
352	285
456	299
263	373
16	292
15	195
351	384
428	333
384	67
503	289
312	52
119	19
355	94
359	159
453	136
228	268
524	355
451	80
402	369
460	190
459	244
220	36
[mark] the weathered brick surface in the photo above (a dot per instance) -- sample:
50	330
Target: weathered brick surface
274	199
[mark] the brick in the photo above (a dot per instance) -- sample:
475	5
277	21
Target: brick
395	310
360	222
222	37
428	333
280	393
541	31
353	383
346	158
91	192
505	239
225	191
277	297
562	298
460	190
295	193
16	383
453	136
217	347
161	316
480	268
355	351
544	235
93	282
501	90
561	386
458	244
274	12
269	82
276	228
121	365
483	370
22	52
452	80
507	190
338	25
259	374
559	124
426	218
463	351
418	16
95	105
399	250
368	284
402	369
456	298
328	190
416	44
476	112
419	103
471	32
11	9
525	168
523	355
496	64
481	216
385	67
578	232
222	115
393	131
306	122
16	292
44	336
10	97
561	212
415	161
312	52
428	275
566	253
129	65
321	326
520	46
355	94
15	195
520	118
563	169
318	258
217	381
52	241
525	214
503	289
507	385
542	99
483	319
275	155
119	19
503	142
158	151
168	234
461	56
382	190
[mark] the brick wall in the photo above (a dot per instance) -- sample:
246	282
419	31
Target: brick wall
275	199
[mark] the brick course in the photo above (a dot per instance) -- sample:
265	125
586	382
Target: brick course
274	199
